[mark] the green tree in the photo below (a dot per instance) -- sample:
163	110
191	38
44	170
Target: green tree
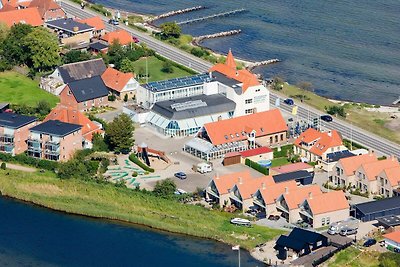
170	29
75	56
4	31
336	110
43	107
43	49
72	168
119	133
115	54
167	67
165	188
127	66
13	49
99	143
277	83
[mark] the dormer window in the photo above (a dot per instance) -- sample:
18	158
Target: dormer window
226	137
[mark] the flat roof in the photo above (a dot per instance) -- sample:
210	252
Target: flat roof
56	127
292	176
336	156
390	220
175	83
222	78
14	120
379	205
69	25
195	106
98	45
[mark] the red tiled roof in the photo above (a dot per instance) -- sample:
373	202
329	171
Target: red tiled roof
45	6
393	175
95	22
324	140
264	123
295	197
250	186
226	182
255	151
123	37
69	115
328	202
351	164
115	79
292	167
372	169
271	193
394	236
29	16
229	69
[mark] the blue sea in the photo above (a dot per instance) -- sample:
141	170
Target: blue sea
348	50
34	236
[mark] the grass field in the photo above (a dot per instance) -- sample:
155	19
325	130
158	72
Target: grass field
18	89
279	162
359	116
107	201
154	67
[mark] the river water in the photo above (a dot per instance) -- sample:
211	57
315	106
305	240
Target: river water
347	49
34	236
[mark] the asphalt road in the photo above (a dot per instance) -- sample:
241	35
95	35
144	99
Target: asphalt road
358	135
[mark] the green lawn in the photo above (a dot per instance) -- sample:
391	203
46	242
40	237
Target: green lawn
18	89
105	200
279	162
353	257
154	67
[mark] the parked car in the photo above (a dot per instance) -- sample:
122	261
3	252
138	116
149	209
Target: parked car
289	101
113	22
135	39
348	231
369	242
180	175
326	118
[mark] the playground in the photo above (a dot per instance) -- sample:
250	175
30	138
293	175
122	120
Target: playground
134	175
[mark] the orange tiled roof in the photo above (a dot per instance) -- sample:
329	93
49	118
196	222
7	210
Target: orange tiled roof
393	175
256	151
115	79
271	193
27	16
372	169
226	182
295	197
249	187
328	202
324	140
7	7
264	123
44	6
292	167
69	115
351	164
395	236
123	37
229	69
95	22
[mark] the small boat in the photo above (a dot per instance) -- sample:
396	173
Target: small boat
240	221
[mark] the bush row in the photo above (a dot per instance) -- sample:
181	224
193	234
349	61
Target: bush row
134	159
257	167
25	159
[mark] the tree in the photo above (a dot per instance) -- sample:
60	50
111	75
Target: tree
167	67
119	133
13	50
165	188
277	83
43	49
99	143
43	107
72	168
336	110
75	56
127	66
4	31
171	29
116	53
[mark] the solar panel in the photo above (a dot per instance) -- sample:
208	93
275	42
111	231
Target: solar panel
178	82
188	105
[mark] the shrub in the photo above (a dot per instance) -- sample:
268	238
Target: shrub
3	166
257	167
165	188
167	67
134	159
134	174
112	98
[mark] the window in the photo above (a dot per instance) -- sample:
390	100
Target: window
281	137
258	90
248	101
323	221
276	138
328	220
319	243
270	139
248	111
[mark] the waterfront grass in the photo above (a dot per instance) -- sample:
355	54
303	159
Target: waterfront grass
356	113
354	257
105	200
154	67
19	90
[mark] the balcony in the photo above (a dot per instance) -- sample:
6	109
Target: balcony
259	202
6	139
281	207
306	212
7	148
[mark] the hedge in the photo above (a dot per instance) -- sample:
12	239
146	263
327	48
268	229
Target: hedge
257	167
134	159
25	159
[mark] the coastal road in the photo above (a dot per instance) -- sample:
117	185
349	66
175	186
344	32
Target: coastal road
358	135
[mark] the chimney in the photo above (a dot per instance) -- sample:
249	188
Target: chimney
330	133
286	190
240	180
263	186
217	177
75	29
310	195
370	152
219	118
393	157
